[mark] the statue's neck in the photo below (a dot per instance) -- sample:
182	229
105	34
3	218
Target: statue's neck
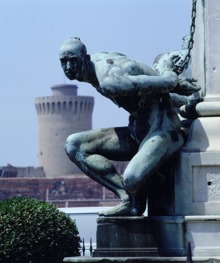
89	75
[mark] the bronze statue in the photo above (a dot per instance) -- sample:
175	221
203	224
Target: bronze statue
153	134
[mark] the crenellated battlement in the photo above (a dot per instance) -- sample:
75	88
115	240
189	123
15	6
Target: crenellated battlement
64	105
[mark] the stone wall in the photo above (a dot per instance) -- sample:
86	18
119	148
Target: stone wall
71	191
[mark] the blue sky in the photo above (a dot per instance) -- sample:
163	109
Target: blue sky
31	34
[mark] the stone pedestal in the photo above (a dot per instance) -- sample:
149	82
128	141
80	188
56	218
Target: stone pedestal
140	236
156	239
164	236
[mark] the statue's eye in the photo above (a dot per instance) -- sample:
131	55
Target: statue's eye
73	59
63	60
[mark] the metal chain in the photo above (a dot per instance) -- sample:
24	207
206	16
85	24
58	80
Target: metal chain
179	68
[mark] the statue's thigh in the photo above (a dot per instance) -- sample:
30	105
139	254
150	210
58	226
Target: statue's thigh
150	155
113	143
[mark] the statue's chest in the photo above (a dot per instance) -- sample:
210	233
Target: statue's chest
134	103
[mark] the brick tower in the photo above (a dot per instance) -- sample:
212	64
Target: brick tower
60	115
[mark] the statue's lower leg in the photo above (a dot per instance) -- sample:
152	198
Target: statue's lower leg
102	171
131	204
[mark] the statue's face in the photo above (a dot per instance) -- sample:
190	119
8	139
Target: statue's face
72	61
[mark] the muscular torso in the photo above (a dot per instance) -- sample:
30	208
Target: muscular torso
115	66
149	112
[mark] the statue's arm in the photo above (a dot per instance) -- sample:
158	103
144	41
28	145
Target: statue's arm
179	100
141	84
155	84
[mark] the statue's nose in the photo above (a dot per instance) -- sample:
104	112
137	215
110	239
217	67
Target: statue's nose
68	65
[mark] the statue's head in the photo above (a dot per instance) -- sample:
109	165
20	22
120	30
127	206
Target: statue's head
73	58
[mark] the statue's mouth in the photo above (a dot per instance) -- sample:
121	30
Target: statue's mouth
69	74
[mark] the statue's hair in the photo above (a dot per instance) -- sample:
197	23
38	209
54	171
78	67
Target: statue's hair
76	38
76	41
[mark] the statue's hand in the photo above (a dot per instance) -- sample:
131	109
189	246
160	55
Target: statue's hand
186	86
178	59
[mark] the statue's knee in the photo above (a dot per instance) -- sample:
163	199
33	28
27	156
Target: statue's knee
72	146
131	182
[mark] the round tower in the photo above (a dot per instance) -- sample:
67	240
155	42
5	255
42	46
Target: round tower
60	115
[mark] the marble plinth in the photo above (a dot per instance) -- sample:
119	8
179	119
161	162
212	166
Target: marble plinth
157	236
156	239
140	236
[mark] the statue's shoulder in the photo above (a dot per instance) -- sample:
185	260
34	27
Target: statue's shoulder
116	54
107	55
99	55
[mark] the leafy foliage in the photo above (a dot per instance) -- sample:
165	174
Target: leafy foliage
35	231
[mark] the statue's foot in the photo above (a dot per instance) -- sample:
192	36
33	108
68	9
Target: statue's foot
122	209
132	207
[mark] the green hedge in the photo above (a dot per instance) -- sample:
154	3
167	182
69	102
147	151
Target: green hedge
35	231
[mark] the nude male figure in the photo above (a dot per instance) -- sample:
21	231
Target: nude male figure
153	134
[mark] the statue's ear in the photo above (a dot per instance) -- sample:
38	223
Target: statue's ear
88	57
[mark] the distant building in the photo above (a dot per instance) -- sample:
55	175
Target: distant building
10	171
60	115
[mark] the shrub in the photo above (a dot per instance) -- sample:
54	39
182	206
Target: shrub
35	231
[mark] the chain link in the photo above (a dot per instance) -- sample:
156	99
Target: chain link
179	68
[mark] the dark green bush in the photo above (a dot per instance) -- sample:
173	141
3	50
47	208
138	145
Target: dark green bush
35	231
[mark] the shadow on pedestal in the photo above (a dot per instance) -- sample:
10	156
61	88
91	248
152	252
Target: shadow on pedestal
140	236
